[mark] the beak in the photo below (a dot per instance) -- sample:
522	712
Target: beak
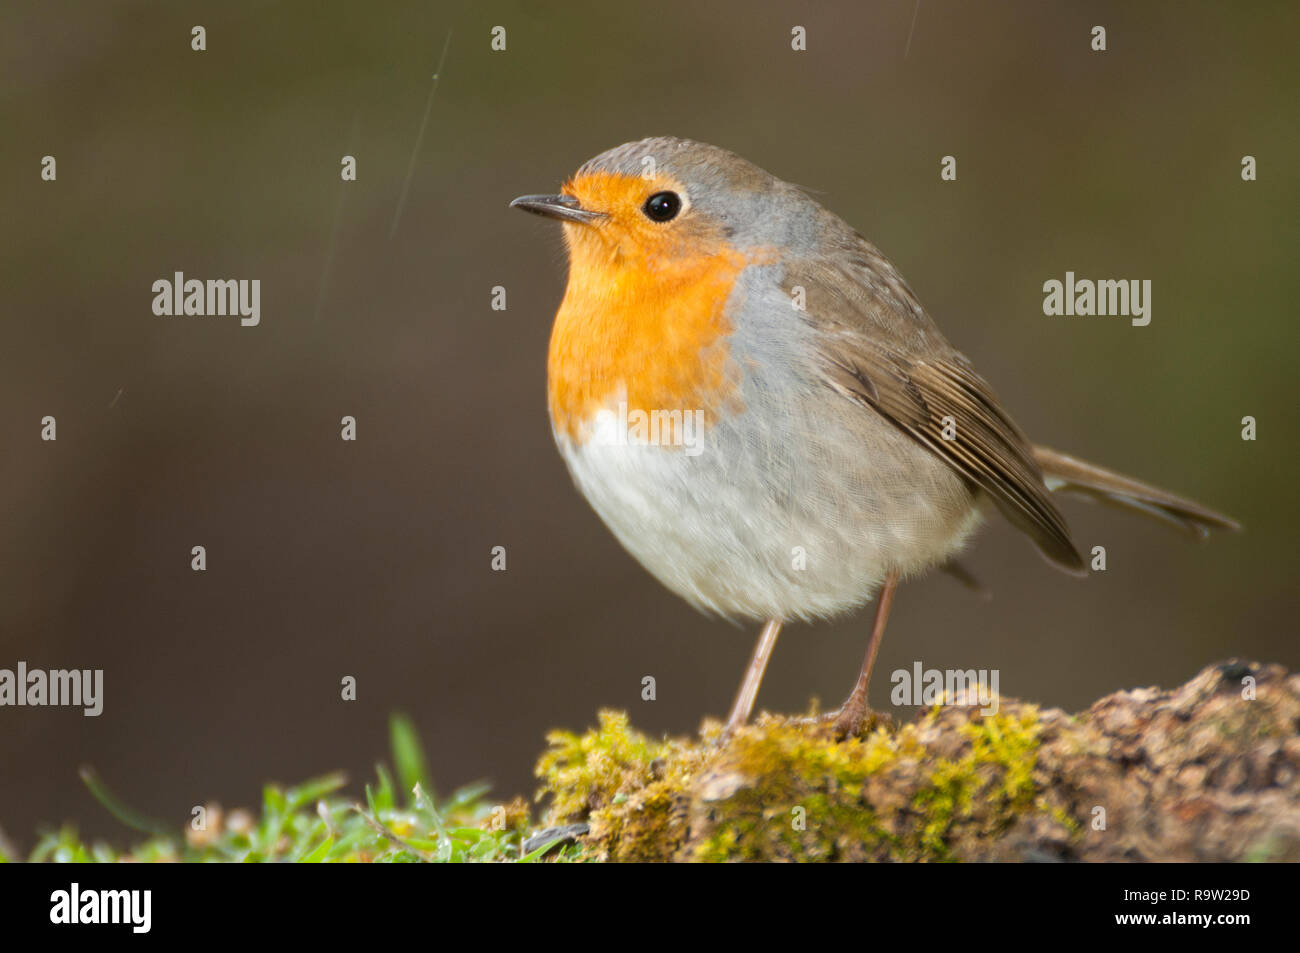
564	207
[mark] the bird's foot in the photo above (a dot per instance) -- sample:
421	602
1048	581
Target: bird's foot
854	721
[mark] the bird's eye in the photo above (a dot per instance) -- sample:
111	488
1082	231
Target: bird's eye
662	206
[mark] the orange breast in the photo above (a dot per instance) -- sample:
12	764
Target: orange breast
654	329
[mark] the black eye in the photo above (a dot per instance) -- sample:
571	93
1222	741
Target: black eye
662	206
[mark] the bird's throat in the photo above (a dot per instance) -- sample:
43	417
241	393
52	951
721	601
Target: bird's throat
650	333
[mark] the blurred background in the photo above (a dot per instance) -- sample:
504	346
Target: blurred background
372	559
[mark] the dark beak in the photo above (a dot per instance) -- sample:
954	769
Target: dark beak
563	207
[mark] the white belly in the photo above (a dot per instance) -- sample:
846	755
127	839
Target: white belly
798	518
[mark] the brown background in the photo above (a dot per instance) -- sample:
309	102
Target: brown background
372	559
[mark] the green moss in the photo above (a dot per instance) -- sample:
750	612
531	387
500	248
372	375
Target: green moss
1006	744
583	772
627	786
788	789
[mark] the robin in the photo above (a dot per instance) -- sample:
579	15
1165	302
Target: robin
756	404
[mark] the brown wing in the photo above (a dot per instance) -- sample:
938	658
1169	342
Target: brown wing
881	350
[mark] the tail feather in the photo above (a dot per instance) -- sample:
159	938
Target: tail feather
1067	474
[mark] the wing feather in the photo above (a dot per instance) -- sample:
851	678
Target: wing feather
880	349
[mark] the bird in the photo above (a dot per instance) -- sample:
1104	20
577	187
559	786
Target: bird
755	403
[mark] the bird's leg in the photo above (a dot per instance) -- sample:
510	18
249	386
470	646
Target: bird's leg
854	710
744	703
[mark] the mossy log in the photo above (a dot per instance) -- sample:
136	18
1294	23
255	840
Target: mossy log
1209	771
